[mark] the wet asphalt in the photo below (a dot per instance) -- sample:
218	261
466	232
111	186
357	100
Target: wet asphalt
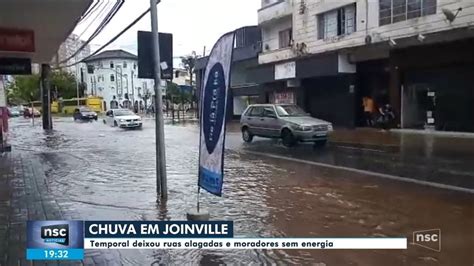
99	172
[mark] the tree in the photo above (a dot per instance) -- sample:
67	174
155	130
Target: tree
189	63
176	95
24	89
63	84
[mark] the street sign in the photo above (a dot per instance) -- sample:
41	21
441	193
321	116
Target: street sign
145	55
15	66
16	40
213	115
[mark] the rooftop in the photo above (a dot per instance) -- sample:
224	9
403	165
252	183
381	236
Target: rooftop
112	54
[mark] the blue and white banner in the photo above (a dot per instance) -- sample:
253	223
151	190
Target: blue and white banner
213	115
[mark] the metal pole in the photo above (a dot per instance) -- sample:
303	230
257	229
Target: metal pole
159	130
77	82
45	100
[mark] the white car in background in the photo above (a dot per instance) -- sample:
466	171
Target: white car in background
122	118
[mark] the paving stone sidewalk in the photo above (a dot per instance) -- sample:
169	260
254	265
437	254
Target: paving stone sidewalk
24	195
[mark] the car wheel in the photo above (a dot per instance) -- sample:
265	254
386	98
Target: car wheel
246	135
288	138
115	124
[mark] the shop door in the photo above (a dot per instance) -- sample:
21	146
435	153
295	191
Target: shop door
419	106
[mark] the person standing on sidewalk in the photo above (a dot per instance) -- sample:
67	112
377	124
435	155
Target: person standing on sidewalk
369	108
135	107
114	104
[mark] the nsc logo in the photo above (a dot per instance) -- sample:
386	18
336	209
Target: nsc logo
58	233
430	239
55	234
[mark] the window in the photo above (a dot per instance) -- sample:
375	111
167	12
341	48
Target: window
392	11
337	22
285	37
111	64
112	77
269	112
101	65
124	64
256	111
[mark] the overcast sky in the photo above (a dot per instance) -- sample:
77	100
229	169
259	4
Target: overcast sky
193	23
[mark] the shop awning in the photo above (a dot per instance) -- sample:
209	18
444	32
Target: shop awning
36	28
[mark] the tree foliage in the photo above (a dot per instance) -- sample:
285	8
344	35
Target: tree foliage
64	83
175	94
189	63
25	89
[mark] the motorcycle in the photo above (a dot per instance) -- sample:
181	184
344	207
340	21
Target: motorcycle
386	117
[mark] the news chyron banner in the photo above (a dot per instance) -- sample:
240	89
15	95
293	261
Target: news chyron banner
55	240
213	115
67	240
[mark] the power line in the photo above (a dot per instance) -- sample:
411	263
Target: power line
111	40
118	4
101	12
89	11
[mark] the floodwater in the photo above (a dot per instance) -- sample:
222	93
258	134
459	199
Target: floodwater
99	172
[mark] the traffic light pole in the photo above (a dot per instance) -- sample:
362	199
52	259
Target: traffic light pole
161	181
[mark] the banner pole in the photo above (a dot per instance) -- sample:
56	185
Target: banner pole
199	193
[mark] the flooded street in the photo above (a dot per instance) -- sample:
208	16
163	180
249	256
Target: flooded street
97	172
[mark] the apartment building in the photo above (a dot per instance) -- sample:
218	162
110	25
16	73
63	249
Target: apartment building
414	54
244	90
114	73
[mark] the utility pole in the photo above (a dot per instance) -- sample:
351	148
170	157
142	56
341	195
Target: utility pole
45	97
161	182
77	80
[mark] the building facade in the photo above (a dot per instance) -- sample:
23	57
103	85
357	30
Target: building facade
414	54
244	89
67	49
114	73
181	77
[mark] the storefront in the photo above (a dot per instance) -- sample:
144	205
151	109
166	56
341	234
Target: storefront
437	86
242	97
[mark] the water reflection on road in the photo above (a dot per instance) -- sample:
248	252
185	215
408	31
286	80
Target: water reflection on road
98	172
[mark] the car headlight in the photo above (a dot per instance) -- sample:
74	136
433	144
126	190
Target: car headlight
330	128
121	120
302	128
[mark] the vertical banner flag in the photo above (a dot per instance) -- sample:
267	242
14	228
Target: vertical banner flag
213	115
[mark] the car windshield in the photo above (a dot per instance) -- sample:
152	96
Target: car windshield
289	110
123	112
85	109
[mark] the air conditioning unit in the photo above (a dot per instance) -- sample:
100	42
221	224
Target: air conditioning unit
302	8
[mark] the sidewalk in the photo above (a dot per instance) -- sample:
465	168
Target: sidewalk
24	196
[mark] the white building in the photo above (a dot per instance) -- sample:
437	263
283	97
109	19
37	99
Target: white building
114	73
321	54
181	77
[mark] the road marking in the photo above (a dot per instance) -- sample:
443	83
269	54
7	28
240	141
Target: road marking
366	172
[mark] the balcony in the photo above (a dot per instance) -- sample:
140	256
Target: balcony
276	55
275	10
